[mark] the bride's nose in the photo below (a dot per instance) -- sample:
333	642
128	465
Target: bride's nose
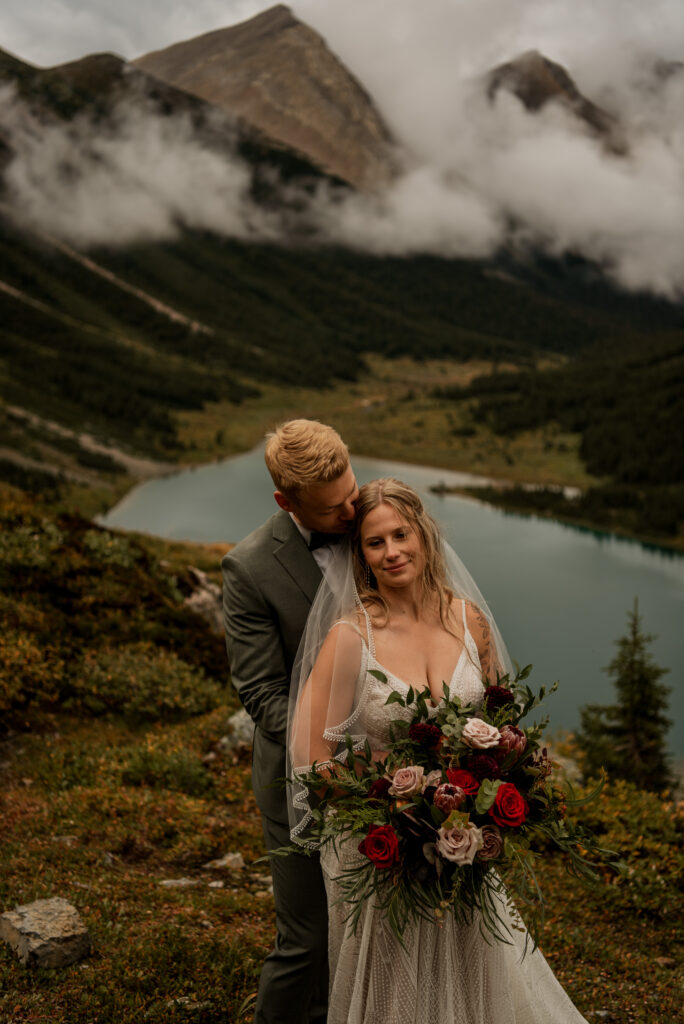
391	549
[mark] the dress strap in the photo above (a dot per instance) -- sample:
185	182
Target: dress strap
369	629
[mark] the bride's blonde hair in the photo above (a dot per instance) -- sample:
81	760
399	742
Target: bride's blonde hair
407	504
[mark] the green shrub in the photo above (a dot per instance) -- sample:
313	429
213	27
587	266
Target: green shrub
178	770
646	834
111	549
142	682
30	673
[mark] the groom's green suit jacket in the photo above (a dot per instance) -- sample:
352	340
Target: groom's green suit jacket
269	581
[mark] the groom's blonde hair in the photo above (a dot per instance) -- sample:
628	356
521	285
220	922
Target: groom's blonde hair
304	452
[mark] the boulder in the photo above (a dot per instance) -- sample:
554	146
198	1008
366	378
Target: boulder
47	933
204	598
239	734
231	861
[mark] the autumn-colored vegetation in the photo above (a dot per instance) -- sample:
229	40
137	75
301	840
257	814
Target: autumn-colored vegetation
113	702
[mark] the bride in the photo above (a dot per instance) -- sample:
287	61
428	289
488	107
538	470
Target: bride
394	603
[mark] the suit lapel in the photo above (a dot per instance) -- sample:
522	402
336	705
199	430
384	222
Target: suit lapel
292	553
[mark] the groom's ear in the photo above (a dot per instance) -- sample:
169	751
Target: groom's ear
283	501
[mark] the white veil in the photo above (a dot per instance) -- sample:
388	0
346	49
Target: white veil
330	679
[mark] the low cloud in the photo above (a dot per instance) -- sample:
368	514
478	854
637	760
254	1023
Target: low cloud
488	175
142	177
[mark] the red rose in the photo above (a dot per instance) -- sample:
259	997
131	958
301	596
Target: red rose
497	697
379	789
510	808
381	846
464	780
424	733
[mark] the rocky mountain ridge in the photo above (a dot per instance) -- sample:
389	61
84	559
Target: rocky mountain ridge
279	76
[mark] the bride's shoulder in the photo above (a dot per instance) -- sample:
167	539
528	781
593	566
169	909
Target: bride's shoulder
353	622
476	621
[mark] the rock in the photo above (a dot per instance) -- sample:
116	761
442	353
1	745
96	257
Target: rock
666	961
205	599
188	1005
179	883
232	861
47	933
239	735
65	840
216	885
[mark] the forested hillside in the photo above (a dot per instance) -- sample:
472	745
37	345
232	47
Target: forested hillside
624	397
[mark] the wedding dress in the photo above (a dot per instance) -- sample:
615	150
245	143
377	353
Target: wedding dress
442	974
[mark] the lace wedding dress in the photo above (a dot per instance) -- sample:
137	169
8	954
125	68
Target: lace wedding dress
442	974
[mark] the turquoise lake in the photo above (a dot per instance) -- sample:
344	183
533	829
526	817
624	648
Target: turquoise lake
560	594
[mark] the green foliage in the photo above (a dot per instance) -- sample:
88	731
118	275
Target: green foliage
645	833
177	770
624	399
142	682
89	620
628	738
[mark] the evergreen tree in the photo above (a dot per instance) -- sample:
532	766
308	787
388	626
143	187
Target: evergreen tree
628	738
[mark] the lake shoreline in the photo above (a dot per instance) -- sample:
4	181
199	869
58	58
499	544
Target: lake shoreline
495	490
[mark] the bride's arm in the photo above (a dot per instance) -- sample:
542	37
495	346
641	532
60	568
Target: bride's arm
327	700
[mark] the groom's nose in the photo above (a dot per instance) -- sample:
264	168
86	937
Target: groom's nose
349	509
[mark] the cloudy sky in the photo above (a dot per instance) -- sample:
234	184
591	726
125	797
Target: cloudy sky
47	32
475	170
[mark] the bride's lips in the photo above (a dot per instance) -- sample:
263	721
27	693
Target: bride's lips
396	568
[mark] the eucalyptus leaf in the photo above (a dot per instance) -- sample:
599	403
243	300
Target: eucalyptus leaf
487	794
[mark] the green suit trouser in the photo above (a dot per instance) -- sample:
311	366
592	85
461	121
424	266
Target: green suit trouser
293	987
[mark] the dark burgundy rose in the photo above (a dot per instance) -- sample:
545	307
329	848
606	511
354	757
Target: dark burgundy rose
510	808
381	846
464	780
483	766
497	697
379	789
424	733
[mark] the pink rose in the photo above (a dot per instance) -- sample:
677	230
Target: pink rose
448	798
459	844
513	739
407	781
492	843
480	735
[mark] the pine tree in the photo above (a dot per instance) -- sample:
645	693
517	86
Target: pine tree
628	738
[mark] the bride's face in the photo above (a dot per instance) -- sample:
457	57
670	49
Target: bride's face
391	547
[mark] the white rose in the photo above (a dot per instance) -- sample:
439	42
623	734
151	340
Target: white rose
460	844
407	781
480	735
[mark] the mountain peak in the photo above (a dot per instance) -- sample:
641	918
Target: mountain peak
536	81
278	75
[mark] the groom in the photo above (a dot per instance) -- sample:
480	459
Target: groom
270	579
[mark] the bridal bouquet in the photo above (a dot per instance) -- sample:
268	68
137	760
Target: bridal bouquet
451	812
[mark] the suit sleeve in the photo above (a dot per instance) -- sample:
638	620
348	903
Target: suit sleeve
255	651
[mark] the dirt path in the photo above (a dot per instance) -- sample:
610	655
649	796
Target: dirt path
132	464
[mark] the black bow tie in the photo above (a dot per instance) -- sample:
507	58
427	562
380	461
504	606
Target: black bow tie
319	540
